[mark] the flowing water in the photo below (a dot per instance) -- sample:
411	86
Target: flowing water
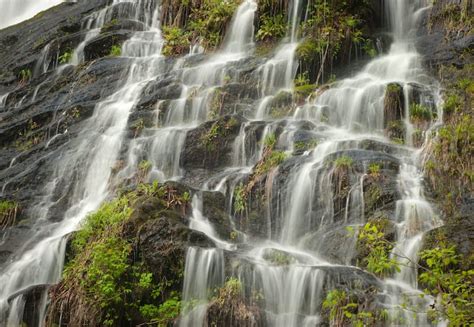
287	266
85	170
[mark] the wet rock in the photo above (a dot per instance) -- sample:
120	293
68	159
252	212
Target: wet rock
101	45
22	43
209	146
458	232
214	209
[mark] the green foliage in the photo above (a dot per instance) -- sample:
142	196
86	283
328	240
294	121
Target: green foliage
165	313
270	140
270	161
177	41
65	57
346	310
272	27
208	22
25	75
343	162
378	260
109	214
419	112
278	257
209	139
8	213
240	198
450	286
374	169
452	103
115	51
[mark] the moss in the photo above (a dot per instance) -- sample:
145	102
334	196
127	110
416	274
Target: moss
278	258
343	162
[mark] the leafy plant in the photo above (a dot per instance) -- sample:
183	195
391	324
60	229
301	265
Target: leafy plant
419	112
240	198
65	57
115	51
378	249
272	27
451	286
374	169
25	75
177	41
343	162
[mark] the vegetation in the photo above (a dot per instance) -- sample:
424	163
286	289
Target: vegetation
332	33
206	24
115	51
374	169
104	282
449	285
8	213
272	27
347	310
378	249
25	75
449	166
343	162
419	112
65	57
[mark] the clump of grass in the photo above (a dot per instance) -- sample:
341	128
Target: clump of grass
343	162
115	51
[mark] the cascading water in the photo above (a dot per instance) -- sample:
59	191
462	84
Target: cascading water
287	265
346	116
85	170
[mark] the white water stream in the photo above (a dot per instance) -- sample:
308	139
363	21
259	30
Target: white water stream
84	169
345	116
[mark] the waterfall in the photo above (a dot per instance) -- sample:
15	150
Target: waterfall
302	250
86	169
14	11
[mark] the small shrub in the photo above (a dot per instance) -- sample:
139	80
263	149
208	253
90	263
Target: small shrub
115	51
343	162
272	27
419	112
25	75
65	57
374	169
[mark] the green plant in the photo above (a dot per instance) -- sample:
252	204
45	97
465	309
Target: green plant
209	139
65	57
272	27
278	257
240	198
302	79
270	140
177	41
378	259
115	51
8	213
25	75
419	112
451	286
343	162
374	169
